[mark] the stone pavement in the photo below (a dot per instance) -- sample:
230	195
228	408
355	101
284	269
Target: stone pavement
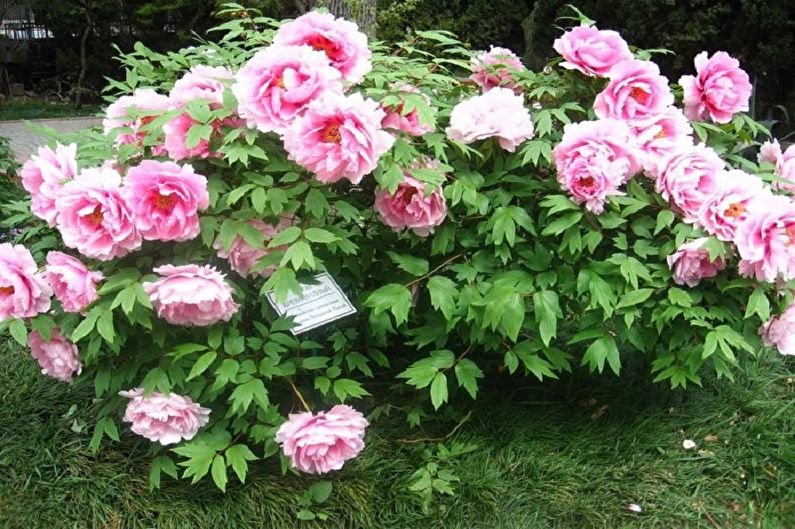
24	141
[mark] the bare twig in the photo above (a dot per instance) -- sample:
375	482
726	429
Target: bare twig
438	439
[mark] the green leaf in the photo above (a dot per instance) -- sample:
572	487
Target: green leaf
467	373
238	456
758	304
413	265
105	326
244	394
196	134
439	390
443	295
345	387
19	332
680	297
298	254
394	297
87	325
202	364
547	311
218	472
200	456
316	203
156	379
321	491
286	236
320	235
561	224
259	200
603	349
634	297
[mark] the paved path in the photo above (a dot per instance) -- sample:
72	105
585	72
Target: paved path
24	141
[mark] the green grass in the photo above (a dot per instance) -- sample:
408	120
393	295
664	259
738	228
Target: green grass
541	461
25	108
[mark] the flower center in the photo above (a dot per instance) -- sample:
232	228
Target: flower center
6	291
735	210
639	94
331	133
790	232
588	181
660	135
95	217
164	202
321	43
279	82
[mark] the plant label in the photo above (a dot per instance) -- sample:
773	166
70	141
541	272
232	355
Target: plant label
319	303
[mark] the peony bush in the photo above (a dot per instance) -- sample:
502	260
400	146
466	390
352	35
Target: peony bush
484	220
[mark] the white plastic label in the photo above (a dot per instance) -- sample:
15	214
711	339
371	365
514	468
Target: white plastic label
318	304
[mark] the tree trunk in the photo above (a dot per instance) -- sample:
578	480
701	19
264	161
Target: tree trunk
360	11
83	59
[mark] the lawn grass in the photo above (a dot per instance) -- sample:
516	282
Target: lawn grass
541	461
26	108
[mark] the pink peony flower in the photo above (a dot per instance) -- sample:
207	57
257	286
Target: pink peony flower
591	51
201	82
23	291
410	122
727	206
94	218
498	113
339	137
780	332
770	152
165	199
719	90
661	135
275	86
56	356
317	444
765	240
784	162
495	68
636	91
73	283
191	295
341	41
691	263
164	419
44	174
144	104
242	256
410	207
594	159
176	137
688	177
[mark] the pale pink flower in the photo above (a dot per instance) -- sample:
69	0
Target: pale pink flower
201	82
688	444
691	263
341	41
176	137
242	256
499	113
75	286
410	207
339	137
56	356
770	152
44	174
594	159
191	295
727	206
94	218
496	68
165	199
765	240
133	112
164	419
591	51
23	291
275	86
779	332
636	91
319	443
719	89
410	122
688	177
661	135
